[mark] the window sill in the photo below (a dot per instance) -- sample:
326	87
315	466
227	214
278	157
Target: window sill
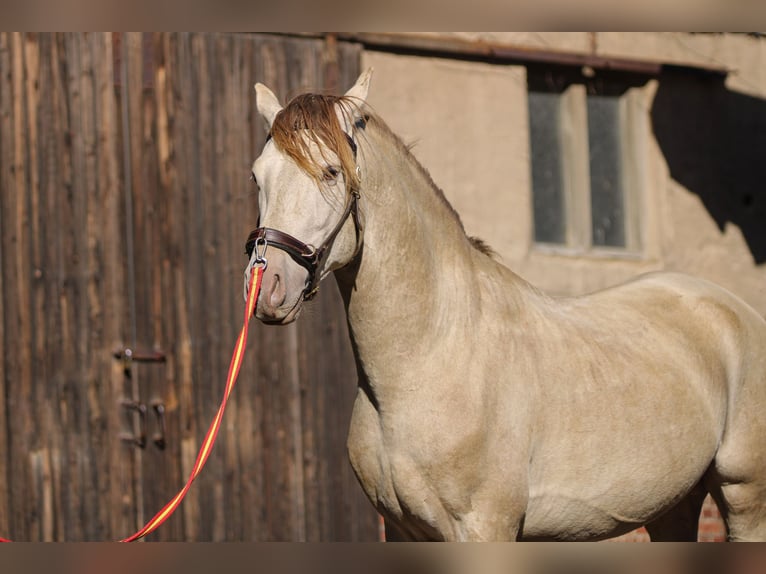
593	253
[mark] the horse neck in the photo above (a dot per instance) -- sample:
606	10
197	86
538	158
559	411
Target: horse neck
413	279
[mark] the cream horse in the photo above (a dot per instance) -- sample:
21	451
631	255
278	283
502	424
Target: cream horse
486	409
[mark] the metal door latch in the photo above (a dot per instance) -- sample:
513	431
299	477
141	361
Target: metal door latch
140	408
159	436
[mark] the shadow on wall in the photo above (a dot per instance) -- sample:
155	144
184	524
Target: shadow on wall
714	141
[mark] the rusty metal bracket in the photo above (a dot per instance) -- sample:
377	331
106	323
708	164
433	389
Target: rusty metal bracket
159	437
140	355
140	408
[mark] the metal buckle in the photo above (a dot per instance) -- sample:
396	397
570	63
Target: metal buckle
260	255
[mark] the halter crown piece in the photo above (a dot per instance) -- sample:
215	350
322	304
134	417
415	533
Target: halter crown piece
307	256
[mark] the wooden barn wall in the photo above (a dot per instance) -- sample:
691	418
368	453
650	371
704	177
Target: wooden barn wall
124	203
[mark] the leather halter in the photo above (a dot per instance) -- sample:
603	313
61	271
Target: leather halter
309	257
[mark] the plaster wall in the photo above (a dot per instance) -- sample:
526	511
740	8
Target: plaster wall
469	123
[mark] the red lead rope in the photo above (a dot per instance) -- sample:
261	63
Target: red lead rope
212	433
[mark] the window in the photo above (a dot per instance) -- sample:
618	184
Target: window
585	181
547	176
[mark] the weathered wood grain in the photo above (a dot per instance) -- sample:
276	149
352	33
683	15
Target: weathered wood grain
146	140
5	369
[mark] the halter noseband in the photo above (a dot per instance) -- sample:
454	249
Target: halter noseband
307	256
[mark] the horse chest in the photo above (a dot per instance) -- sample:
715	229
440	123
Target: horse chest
419	477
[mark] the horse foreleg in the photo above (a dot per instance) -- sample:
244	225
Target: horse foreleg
680	523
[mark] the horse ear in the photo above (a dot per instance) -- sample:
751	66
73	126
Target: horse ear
362	86
267	102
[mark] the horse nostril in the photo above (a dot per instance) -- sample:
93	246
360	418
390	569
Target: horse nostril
278	293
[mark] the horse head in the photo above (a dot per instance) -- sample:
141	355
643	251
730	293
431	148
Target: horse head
308	177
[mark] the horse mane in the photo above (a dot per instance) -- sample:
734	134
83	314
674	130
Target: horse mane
483	247
311	118
376	122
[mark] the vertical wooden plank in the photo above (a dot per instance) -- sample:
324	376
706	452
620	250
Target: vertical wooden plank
174	332
186	303
47	449
155	246
23	496
214	76
82	363
53	318
63	277
169	269
46	461
50	317
137	199
249	445
78	98
47	317
121	508
204	359
228	55
76	207
5	131
209	382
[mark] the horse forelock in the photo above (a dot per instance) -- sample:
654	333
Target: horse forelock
311	119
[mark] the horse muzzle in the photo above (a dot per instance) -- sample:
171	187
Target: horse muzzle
282	291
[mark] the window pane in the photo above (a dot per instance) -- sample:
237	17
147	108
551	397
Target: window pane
547	182
606	187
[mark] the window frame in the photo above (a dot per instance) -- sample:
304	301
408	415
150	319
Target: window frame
574	85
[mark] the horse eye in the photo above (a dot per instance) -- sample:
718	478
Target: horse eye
330	173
